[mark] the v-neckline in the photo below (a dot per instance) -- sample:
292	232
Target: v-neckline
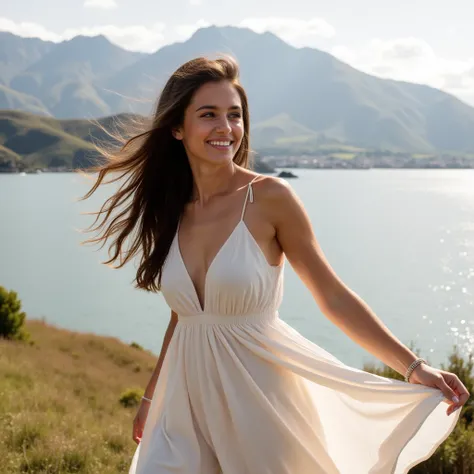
202	307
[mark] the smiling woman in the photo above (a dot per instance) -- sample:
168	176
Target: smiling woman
236	390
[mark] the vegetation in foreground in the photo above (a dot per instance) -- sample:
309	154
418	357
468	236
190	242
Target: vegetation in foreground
67	400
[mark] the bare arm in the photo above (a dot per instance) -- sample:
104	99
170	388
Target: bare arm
150	388
338	303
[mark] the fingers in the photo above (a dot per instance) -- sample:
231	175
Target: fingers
137	434
448	392
454	390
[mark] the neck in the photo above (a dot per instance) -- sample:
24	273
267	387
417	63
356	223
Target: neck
210	181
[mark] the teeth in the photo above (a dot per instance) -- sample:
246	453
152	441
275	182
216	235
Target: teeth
220	143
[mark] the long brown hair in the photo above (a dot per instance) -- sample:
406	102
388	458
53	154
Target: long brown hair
157	178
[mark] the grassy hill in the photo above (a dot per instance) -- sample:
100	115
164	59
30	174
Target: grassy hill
38	141
59	405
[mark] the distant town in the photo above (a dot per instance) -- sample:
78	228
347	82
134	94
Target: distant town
268	162
367	160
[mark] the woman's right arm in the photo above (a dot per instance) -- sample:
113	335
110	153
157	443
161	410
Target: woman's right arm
142	413
150	388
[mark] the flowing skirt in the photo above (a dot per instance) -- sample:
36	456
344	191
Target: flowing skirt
253	396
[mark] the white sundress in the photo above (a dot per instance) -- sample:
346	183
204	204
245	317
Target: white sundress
242	392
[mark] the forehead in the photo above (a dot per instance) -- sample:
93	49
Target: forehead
221	94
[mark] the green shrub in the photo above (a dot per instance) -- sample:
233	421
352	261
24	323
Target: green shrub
463	369
135	345
131	397
11	317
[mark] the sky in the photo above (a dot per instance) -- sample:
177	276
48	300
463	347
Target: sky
427	42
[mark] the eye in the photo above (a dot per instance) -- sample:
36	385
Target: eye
236	115
207	114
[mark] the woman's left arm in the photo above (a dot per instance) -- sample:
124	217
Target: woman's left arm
339	303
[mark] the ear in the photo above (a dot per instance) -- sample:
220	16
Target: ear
177	134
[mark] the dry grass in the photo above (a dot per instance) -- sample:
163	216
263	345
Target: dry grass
59	402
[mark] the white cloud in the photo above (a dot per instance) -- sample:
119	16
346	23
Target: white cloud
28	29
187	30
104	4
414	60
132	37
294	31
195	2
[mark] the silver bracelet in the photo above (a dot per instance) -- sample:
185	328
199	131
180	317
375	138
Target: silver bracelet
147	399
412	367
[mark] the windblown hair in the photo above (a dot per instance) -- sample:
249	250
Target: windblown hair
157	179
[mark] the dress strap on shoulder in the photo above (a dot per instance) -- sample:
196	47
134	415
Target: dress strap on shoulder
248	196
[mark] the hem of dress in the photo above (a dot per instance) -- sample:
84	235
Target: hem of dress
436	445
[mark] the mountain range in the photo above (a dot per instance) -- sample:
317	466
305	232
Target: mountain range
299	97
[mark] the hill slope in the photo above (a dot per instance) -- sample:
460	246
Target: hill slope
41	141
60	401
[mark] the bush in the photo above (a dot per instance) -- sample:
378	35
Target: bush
131	397
11	317
463	369
135	345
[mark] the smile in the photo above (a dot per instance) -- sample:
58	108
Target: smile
221	145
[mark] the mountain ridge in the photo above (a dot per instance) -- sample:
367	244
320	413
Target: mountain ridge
88	77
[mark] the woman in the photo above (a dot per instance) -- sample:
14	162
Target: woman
235	389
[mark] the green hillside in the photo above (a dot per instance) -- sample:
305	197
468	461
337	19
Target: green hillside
281	129
39	142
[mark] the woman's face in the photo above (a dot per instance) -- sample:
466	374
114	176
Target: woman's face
213	124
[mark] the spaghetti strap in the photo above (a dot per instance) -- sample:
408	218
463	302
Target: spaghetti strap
248	196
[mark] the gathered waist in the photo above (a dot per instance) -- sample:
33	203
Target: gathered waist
231	319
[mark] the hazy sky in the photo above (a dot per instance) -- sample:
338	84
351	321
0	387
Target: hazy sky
430	42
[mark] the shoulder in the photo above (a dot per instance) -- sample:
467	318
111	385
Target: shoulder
273	190
276	196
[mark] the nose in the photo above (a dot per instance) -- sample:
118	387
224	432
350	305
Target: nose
223	126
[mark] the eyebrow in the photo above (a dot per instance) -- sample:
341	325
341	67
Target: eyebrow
214	107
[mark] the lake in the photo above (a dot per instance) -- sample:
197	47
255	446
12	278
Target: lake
401	239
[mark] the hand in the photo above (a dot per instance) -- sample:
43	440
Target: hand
452	388
139	421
